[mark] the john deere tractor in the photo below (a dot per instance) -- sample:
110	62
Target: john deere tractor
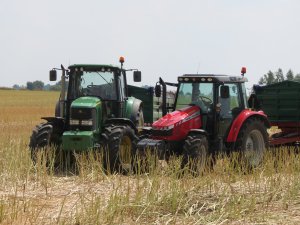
94	112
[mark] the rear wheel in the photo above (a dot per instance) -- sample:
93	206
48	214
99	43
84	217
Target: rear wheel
119	145
252	142
196	156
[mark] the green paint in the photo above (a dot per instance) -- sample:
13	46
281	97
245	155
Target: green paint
78	140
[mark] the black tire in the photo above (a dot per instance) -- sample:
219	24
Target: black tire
44	136
252	142
196	155
144	160
119	147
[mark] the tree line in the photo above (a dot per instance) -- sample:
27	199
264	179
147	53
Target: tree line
278	76
39	85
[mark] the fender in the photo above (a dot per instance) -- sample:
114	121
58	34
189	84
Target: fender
240	120
132	107
121	121
58	121
198	131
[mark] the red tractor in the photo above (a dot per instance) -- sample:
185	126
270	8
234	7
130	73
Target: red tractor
210	115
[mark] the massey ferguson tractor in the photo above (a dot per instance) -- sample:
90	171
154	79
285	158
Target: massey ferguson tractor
210	116
94	112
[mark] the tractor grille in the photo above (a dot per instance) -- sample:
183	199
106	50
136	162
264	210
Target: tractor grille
83	119
162	132
81	113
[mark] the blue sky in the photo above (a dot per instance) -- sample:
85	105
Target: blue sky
164	38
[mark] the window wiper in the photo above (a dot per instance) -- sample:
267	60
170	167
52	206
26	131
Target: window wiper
104	78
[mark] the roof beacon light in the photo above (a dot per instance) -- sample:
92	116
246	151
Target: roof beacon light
122	60
243	70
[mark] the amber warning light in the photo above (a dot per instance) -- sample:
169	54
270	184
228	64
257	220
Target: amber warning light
243	70
121	60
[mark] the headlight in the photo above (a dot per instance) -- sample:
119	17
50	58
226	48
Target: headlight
87	123
74	122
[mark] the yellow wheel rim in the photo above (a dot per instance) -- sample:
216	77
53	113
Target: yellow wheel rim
125	152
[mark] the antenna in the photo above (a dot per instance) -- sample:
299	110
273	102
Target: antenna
198	67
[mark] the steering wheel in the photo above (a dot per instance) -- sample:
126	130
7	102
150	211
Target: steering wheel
205	99
88	89
90	86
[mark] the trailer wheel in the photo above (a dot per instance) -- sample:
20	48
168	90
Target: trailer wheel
196	156
119	145
44	137
252	142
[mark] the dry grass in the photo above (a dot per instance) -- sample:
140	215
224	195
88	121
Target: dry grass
227	195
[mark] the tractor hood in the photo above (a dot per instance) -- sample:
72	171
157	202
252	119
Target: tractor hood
176	125
173	118
86	102
85	114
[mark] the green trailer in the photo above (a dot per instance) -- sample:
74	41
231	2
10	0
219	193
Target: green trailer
152	105
281	102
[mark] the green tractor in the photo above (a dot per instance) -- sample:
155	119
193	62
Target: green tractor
94	112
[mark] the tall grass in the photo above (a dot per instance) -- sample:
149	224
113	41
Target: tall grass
36	193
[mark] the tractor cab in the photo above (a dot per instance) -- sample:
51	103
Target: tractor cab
219	98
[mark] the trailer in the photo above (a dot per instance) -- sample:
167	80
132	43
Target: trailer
281	102
152	105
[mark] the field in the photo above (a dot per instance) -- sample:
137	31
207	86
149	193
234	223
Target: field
35	194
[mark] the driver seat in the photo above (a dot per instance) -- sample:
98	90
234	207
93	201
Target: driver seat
225	108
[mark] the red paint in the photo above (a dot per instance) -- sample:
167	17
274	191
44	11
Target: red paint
285	139
182	121
287	127
239	121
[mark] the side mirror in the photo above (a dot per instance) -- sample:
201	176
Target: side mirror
137	76
157	91
53	75
224	91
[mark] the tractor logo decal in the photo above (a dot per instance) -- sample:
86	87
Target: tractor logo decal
194	115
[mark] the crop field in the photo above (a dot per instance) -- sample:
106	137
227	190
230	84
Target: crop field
228	194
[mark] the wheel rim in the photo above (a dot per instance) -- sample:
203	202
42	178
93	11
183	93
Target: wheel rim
125	152
254	147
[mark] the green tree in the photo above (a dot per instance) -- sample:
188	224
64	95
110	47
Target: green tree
279	76
268	78
38	85
16	87
290	75
297	77
29	85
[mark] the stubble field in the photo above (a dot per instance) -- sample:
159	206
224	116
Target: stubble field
35	194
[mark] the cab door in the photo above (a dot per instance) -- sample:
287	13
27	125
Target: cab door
230	102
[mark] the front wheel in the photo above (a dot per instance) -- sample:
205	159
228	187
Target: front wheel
45	139
196	156
252	142
119	145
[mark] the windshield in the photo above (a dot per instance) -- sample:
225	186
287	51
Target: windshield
200	94
100	84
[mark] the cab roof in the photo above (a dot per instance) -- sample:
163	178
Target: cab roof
93	66
214	78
